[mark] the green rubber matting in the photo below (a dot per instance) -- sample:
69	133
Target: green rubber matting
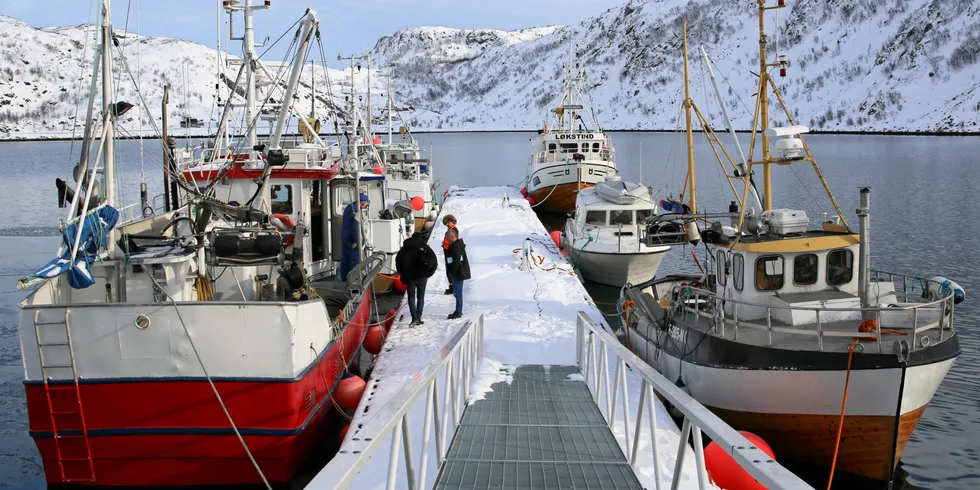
540	431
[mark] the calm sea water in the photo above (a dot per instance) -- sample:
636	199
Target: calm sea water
923	220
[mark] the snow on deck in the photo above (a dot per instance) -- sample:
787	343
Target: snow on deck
529	318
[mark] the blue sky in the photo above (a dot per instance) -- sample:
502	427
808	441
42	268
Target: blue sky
361	23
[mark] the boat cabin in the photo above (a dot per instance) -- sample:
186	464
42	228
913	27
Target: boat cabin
594	146
792	269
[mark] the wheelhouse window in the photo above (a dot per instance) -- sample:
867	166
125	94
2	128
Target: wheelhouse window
621	217
595	217
642	215
720	261
769	273
282	199
840	267
738	271
552	147
569	147
805	269
595	147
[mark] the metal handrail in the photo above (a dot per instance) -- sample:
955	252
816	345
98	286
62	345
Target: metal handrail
457	362
592	340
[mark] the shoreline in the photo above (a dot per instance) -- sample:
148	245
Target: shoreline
478	131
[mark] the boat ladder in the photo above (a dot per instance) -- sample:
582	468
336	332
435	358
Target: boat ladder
57	355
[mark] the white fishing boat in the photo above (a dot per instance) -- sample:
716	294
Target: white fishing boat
606	238
790	333
184	346
570	155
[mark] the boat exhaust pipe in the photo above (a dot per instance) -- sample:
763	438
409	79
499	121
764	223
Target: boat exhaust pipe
864	261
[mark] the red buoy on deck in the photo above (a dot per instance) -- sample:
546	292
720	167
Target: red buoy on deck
417	203
349	391
374	339
725	472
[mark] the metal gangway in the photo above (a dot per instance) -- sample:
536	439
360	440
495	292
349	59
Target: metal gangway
547	427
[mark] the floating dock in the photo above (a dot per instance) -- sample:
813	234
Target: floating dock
530	389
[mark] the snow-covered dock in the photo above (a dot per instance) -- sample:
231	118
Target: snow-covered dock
514	315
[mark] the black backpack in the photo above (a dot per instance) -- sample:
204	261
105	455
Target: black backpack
428	263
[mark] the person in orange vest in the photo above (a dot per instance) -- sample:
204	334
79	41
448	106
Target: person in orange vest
450	222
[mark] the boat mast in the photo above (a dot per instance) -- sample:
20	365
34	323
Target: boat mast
764	106
307	25
250	60
690	134
389	108
109	120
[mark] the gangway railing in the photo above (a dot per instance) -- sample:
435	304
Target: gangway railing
455	364
596	347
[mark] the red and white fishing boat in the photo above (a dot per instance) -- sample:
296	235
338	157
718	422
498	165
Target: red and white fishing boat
187	346
572	154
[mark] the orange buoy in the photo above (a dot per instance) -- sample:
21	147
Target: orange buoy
725	472
390	319
399	285
349	391
524	192
343	432
556	237
417	203
378	169
374	339
531	200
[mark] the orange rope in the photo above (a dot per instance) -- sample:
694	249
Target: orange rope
696	261
843	408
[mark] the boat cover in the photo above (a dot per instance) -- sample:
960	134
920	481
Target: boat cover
95	235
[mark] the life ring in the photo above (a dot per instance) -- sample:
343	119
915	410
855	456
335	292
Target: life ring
287	225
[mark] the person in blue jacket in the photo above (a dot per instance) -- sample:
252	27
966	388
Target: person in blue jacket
350	256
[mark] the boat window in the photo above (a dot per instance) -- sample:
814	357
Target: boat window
595	146
805	269
722	274
282	199
569	147
769	273
840	267
552	147
738	271
621	217
643	214
595	217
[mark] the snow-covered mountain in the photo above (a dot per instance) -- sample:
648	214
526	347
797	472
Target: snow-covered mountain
856	65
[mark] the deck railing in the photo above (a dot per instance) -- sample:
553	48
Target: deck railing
916	319
596	348
456	364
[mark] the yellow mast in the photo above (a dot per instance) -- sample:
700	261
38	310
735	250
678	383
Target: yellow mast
764	106
690	135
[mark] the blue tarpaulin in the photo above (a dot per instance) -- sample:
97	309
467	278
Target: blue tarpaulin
671	206
95	235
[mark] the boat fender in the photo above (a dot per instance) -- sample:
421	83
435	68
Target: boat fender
524	192
693	234
285	224
940	287
531	200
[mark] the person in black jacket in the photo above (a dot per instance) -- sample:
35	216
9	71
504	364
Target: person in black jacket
458	267
416	263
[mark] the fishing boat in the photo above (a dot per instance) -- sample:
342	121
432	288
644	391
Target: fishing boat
184	346
791	333
606	238
572	154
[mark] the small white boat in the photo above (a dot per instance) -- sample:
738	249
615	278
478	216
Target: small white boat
606	240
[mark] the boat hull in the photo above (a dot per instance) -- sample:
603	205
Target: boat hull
617	269
171	430
796	410
557	199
